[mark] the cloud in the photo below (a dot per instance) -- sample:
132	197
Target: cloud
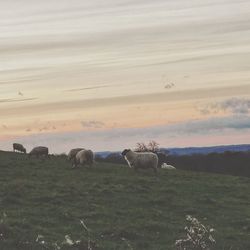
124	100
184	133
236	105
47	127
16	100
169	85
44	128
89	88
232	105
201	127
216	124
92	124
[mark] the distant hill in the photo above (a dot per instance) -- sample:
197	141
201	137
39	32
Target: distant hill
104	154
207	150
194	150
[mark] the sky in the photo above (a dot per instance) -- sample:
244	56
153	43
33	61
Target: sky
108	74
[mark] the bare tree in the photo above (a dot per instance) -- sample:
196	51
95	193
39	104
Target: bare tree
141	147
153	146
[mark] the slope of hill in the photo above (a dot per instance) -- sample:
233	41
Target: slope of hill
121	208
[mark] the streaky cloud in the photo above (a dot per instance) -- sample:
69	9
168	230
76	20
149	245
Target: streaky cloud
233	105
174	96
88	88
118	138
17	100
92	124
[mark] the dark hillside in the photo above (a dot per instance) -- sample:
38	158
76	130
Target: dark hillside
121	208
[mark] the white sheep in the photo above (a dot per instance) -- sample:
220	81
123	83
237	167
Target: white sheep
84	157
141	159
166	166
72	154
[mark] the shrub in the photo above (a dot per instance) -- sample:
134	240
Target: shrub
198	236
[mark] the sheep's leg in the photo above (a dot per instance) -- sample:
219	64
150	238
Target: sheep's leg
82	163
74	163
78	164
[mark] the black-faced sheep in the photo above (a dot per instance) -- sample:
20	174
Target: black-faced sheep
141	160
19	147
84	157
39	151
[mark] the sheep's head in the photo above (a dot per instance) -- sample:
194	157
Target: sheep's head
24	150
125	151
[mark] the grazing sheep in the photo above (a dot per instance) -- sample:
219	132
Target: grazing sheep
166	166
84	157
19	147
72	153
39	151
141	160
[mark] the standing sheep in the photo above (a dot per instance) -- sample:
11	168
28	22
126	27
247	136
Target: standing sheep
19	147
39	151
141	160
72	154
84	157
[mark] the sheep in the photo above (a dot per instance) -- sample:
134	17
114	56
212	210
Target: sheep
166	166
141	160
84	157
19	147
39	151
72	153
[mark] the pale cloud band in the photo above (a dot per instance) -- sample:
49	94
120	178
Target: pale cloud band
233	105
119	138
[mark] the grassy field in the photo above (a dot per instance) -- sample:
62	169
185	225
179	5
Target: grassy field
121	208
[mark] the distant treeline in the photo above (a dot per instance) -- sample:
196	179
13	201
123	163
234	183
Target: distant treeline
231	163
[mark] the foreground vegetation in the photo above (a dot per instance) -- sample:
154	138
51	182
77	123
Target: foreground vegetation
122	209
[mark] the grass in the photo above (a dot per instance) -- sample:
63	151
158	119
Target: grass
122	209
